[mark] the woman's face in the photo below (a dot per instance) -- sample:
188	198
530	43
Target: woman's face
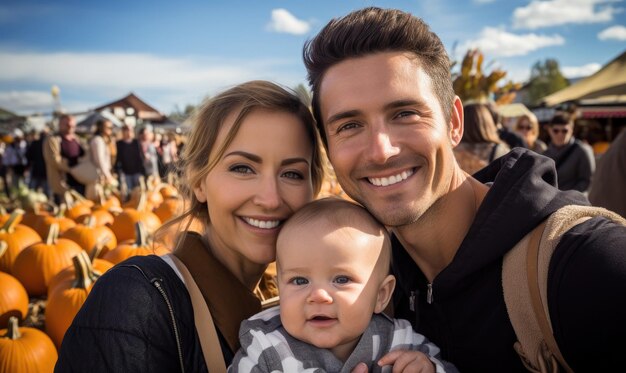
263	177
525	129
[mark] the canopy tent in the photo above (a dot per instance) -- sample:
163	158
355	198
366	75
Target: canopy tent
607	86
89	122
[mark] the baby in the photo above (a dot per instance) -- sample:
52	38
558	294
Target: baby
333	261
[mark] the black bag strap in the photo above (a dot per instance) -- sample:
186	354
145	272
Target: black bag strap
560	160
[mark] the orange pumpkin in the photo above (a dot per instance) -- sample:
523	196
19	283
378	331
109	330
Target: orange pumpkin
102	216
87	235
38	263
141	246
13	296
170	208
124	223
167	190
42	226
17	237
26	350
67	297
97	268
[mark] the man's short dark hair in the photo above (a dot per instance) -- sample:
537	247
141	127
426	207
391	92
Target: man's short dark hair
373	30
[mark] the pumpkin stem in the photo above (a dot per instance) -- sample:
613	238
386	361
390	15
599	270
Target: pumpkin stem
13	330
98	247
141	234
89	221
84	271
100	194
3	247
60	212
143	201
53	234
10	224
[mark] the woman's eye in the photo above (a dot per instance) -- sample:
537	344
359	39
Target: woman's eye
299	281
293	175
342	280
241	169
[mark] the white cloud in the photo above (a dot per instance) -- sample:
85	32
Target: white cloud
614	33
540	13
112	75
500	43
580	71
285	22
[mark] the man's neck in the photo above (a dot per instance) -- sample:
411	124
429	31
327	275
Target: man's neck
432	241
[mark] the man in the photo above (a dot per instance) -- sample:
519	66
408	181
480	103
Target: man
37	164
62	152
383	99
574	159
129	161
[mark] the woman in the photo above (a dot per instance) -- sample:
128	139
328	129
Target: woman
480	144
528	126
251	161
100	151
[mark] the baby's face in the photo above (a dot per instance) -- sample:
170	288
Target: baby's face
329	281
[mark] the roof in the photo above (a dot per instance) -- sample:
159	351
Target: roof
141	108
513	110
607	85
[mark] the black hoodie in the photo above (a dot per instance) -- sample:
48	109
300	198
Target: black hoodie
467	315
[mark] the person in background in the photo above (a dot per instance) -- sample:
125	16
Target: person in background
527	126
169	154
148	151
37	164
61	152
608	185
480	144
575	162
333	260
15	161
100	152
511	138
129	161
139	316
384	103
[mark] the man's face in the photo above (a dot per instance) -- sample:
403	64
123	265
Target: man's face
67	126
388	141
561	134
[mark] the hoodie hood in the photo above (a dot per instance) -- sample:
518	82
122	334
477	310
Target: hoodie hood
522	194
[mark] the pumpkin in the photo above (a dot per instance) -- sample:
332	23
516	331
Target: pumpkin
167	190
101	216
170	208
17	237
13	296
25	350
42	226
124	223
97	267
87	235
38	263
67	297
141	246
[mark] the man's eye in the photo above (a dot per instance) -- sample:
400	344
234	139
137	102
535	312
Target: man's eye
347	126
342	280
299	281
241	169
407	113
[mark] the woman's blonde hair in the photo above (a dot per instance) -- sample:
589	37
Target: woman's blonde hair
207	121
532	120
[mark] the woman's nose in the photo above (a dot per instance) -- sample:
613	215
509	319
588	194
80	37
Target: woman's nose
268	194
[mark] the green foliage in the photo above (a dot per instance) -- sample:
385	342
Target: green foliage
545	78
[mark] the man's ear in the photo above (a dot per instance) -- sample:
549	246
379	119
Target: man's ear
199	192
456	122
385	291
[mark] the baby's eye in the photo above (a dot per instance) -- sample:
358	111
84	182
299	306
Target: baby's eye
299	281
241	169
342	280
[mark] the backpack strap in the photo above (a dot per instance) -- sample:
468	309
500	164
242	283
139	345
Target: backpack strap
525	282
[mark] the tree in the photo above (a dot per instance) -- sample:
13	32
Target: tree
545	79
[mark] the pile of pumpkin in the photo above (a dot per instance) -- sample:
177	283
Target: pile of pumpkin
52	257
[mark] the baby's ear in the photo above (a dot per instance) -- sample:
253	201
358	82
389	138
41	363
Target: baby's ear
385	291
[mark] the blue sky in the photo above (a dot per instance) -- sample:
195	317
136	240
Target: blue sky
175	53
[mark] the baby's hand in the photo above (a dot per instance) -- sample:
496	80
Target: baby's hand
408	362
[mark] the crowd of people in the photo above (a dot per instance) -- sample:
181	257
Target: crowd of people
46	160
408	274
